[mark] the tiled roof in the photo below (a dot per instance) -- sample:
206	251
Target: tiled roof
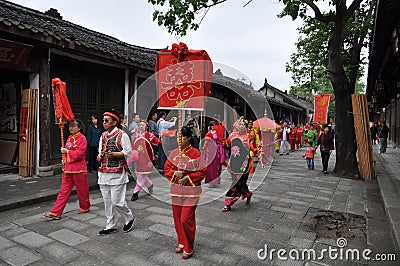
238	86
26	19
291	100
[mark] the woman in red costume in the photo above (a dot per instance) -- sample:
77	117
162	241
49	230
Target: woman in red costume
185	172
142	142
74	171
243	149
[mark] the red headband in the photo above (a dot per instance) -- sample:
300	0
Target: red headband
112	115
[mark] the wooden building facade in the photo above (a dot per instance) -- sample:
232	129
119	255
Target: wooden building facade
383	82
101	73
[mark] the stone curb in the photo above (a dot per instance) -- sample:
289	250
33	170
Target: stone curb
36	198
390	202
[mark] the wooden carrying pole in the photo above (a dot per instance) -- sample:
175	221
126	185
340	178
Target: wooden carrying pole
363	136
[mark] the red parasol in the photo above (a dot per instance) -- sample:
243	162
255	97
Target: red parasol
62	108
265	124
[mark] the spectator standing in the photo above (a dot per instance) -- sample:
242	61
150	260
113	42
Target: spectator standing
374	132
285	146
93	135
163	126
134	125
325	141
383	136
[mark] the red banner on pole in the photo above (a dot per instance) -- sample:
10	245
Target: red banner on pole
321	104
183	77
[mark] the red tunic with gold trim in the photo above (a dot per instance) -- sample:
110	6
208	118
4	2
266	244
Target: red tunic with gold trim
185	198
142	142
76	156
194	167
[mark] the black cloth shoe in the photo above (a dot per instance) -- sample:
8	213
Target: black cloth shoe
325	172
128	227
107	231
135	196
151	189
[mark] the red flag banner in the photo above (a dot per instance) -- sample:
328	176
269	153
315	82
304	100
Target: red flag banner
183	77
321	104
61	104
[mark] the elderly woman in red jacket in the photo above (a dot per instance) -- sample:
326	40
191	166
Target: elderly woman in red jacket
185	169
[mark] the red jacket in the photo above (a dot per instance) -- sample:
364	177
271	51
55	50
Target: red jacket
194	167
76	156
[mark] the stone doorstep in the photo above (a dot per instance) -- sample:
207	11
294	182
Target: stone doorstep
392	213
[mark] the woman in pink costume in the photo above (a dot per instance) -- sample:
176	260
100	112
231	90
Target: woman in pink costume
142	142
214	156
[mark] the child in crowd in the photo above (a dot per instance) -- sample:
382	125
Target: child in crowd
309	155
74	171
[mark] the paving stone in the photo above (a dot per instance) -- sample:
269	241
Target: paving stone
68	237
19	256
45	262
169	258
162	229
160	210
60	252
99	250
5	243
131	258
242	250
30	219
32	240
301	243
156	218
83	216
89	261
99	222
285	210
73	224
141	235
14	232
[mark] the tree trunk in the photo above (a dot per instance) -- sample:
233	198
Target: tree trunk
346	162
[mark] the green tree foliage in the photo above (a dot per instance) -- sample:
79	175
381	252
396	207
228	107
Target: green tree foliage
335	51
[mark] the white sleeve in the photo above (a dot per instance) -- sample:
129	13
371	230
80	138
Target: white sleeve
100	143
126	146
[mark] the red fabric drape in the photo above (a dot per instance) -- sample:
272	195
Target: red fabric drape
61	104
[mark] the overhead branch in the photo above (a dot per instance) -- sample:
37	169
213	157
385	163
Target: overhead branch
213	4
352	8
318	15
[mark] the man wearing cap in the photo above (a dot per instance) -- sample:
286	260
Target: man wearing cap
114	148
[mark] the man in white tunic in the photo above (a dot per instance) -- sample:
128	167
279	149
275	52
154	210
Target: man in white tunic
114	148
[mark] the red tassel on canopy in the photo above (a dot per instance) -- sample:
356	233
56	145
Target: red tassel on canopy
61	104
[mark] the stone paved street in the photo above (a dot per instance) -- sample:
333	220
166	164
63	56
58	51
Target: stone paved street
280	201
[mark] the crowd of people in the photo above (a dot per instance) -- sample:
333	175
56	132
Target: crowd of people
117	149
379	135
290	136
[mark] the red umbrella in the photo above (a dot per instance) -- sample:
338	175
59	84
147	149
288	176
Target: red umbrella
265	124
